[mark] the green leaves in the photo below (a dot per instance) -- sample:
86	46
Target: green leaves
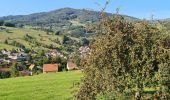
124	58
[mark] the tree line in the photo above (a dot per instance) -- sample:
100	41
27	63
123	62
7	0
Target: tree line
7	24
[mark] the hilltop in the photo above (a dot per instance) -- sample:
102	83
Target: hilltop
60	18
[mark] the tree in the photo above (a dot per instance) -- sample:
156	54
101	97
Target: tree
8	24
20	25
14	71
4	74
164	74
1	22
57	32
6	41
123	58
84	42
65	39
78	32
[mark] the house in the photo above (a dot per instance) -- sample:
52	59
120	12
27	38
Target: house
84	50
7	61
5	52
17	56
47	68
71	66
1	60
24	73
54	53
13	56
31	67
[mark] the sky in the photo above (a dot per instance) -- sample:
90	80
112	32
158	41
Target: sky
160	9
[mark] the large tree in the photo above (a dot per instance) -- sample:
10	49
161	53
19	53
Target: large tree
123	59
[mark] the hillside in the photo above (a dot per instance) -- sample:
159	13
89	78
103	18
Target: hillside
20	36
56	86
166	23
45	30
58	19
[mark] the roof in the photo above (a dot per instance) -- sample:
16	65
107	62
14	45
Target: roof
71	65
5	69
50	67
31	66
24	73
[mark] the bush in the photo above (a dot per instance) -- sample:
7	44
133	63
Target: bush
8	24
65	39
84	42
78	32
4	75
14	71
1	22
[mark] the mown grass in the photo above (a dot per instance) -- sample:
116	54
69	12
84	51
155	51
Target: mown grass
55	86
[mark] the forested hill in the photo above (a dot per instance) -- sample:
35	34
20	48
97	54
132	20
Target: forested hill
59	18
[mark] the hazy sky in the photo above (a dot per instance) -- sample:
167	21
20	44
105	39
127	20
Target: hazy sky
137	8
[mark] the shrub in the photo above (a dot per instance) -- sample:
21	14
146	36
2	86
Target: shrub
1	22
8	24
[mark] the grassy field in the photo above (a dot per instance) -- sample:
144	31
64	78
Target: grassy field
55	86
17	34
5	46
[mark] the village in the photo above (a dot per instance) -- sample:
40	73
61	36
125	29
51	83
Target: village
31	63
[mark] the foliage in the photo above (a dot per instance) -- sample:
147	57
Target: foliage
9	24
1	22
124	59
14	71
4	74
84	42
79	32
164	72
65	40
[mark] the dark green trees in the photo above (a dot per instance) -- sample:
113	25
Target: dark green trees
65	40
84	42
123	60
8	24
1	22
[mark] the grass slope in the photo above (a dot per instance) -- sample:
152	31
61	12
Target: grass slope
17	34
5	46
56	86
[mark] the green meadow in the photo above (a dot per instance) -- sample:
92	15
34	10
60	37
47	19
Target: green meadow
54	86
17	34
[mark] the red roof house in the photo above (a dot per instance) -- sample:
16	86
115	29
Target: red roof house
47	68
71	66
